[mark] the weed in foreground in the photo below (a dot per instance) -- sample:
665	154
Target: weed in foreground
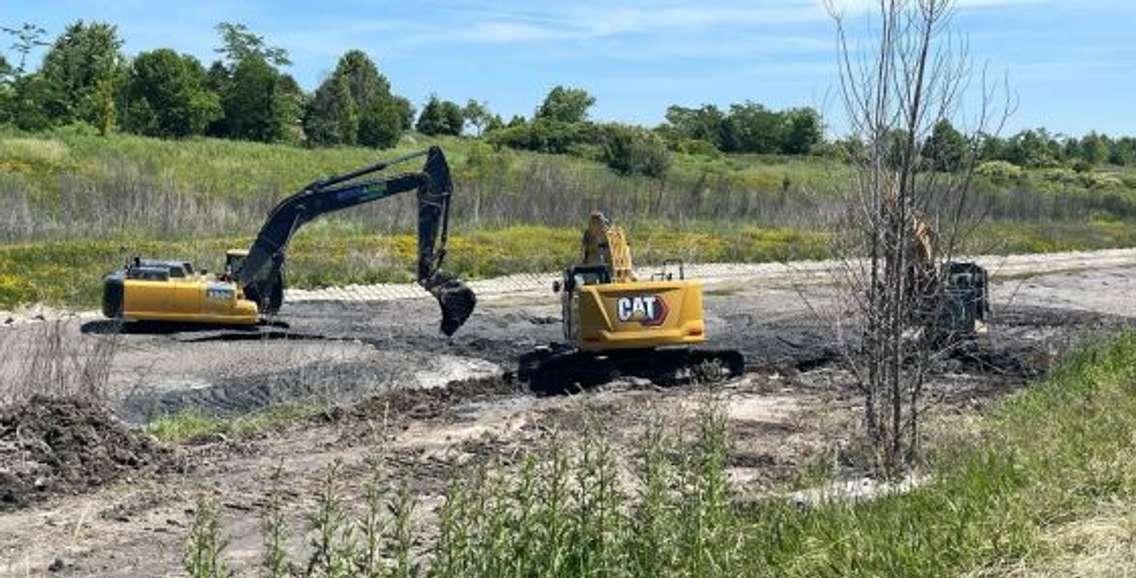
573	510
1053	454
333	541
577	510
274	530
206	544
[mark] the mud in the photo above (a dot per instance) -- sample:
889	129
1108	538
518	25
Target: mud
342	352
50	447
339	353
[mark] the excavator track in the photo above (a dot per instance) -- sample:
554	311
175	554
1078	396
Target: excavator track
558	369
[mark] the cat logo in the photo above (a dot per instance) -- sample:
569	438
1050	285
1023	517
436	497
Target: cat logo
649	310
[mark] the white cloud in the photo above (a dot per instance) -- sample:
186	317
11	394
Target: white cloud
861	6
590	20
504	31
594	20
584	21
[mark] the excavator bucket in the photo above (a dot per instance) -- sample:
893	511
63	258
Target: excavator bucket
456	299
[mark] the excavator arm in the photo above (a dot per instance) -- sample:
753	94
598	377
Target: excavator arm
261	272
605	244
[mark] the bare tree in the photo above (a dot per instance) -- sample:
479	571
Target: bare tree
903	220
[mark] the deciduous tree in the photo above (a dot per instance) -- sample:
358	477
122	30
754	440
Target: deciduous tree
947	148
355	106
168	96
477	114
889	318
250	102
85	69
238	44
27	37
802	131
565	104
440	117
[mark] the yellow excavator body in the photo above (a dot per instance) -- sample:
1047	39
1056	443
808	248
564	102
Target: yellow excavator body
187	301
171	291
605	307
636	315
616	324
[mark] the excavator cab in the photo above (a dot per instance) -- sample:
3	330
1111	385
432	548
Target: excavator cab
234	260
586	275
965	305
574	278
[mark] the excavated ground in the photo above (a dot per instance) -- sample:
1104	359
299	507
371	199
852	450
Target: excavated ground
66	446
396	389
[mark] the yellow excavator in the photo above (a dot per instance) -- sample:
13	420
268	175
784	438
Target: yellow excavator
251	286
617	324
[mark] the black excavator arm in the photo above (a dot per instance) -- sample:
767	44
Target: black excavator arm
261	273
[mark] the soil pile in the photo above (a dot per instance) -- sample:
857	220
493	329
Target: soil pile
64	446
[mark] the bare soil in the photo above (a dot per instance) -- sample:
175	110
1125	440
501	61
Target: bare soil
51	447
423	405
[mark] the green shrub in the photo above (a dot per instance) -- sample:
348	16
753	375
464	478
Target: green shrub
14	291
632	150
1101	181
1000	170
1060	175
692	146
547	136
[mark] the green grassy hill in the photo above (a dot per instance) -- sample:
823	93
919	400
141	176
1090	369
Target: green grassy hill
226	169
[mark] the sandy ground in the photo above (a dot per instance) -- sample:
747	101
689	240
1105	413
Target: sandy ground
792	408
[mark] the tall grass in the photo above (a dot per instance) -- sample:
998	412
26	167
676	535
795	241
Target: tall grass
1049	455
205	546
54	360
70	186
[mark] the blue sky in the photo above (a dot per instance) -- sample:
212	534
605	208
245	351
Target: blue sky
1072	63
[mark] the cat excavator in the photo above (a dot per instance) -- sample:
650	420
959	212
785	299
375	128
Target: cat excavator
251	287
616	324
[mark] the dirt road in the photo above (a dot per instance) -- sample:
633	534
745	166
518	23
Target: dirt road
791	408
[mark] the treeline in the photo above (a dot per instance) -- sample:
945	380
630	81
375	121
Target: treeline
1036	148
86	79
561	125
947	149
